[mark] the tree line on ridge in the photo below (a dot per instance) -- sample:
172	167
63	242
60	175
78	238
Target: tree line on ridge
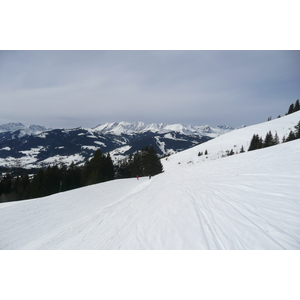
60	178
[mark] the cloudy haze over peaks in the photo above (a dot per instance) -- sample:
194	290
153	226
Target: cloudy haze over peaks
88	88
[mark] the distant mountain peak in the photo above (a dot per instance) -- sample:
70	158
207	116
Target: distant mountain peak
140	127
11	127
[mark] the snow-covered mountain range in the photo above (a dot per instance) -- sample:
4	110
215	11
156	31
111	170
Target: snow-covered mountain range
36	146
140	127
31	129
244	201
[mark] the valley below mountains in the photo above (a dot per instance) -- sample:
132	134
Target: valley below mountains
35	146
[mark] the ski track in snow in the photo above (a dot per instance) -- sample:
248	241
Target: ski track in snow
247	201
170	211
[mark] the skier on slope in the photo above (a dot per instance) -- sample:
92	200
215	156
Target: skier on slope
137	177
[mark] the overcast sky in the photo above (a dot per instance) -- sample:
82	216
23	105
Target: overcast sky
87	88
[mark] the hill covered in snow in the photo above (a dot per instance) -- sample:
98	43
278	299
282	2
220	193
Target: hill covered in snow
244	201
235	140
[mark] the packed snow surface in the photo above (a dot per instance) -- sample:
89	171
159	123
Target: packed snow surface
245	201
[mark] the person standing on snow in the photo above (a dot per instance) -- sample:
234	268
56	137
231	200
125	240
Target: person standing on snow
137	177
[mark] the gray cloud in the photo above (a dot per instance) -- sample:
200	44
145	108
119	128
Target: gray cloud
73	88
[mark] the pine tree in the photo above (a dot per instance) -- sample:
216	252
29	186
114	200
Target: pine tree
36	187
71	178
108	168
252	145
297	132
124	169
242	149
152	163
297	106
52	179
6	184
97	169
256	143
291	136
291	109
19	187
269	141
260	143
145	162
276	139
137	164
85	172
283	139
96	175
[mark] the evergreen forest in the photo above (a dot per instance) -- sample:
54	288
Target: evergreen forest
60	178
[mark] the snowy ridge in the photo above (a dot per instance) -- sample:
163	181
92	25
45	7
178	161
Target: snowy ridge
140	127
234	140
245	201
31	129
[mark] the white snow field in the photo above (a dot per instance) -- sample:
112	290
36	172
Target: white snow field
245	201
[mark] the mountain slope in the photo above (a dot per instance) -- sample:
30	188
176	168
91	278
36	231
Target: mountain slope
234	140
246	201
22	148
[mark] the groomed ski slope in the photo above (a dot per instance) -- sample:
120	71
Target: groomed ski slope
245	201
